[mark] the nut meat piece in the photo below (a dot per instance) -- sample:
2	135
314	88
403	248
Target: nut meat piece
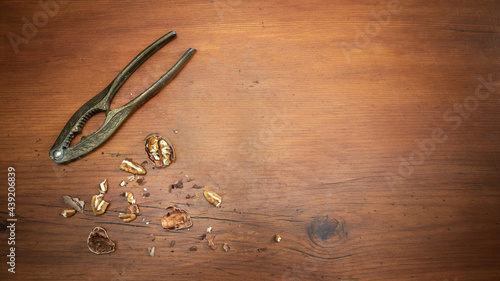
277	238
159	150
68	213
176	219
127	217
103	187
132	167
99	243
212	197
130	197
98	204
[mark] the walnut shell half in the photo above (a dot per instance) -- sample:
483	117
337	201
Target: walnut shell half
176	219
99	242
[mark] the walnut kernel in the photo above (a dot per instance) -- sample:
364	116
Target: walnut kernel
127	217
132	167
68	213
176	219
212	197
98	204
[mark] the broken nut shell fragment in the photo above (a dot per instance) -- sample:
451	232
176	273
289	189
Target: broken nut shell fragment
98	204
74	203
132	167
211	243
160	151
198	186
99	243
176	219
176	185
151	251
132	209
68	213
226	247
127	217
212	197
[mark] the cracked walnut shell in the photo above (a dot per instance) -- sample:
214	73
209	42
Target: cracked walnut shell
176	219
99	243
159	150
74	203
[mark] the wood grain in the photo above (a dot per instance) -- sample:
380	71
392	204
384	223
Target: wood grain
365	133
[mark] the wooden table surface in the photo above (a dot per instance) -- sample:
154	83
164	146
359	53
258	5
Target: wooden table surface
365	134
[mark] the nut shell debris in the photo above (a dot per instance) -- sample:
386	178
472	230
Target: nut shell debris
176	219
176	185
211	242
99	242
151	251
132	167
160	151
132	209
226	247
74	203
212	197
198	186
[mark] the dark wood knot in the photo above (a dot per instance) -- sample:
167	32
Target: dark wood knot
326	229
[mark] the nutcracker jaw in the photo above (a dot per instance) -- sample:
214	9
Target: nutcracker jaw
61	152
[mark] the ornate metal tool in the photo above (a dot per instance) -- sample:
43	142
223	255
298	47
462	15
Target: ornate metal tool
61	152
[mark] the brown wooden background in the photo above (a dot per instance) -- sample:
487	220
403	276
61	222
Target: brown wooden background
357	130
